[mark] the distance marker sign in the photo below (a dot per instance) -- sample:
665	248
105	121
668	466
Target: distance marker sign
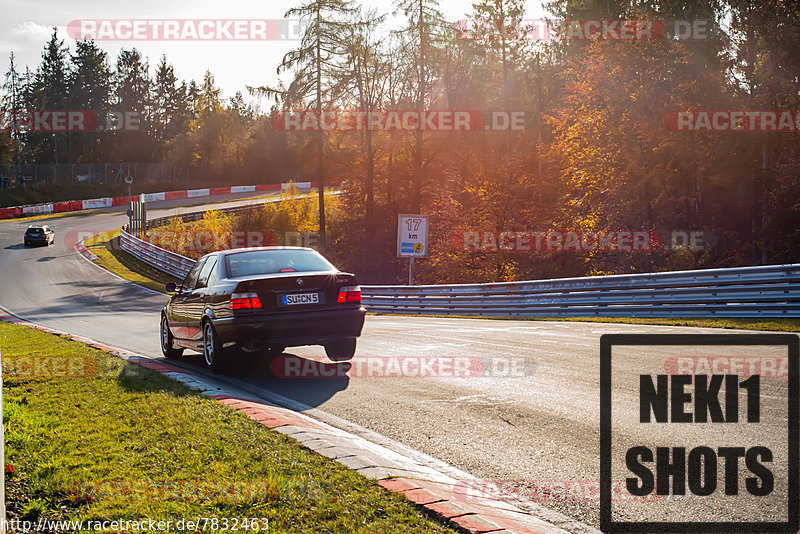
412	236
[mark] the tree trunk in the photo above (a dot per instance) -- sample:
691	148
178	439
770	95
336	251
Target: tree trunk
320	144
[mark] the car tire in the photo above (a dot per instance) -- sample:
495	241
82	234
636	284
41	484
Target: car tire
341	349
167	342
213	356
27	244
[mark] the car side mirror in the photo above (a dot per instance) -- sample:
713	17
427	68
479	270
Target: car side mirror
171	287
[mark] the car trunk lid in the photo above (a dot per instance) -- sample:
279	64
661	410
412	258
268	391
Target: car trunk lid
296	291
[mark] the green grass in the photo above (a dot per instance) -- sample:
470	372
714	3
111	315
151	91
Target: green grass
74	445
111	257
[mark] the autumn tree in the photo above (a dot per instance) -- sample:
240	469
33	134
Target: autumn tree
361	83
422	40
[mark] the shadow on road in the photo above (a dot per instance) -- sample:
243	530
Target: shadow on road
48	258
263	372
313	388
251	372
18	246
83	298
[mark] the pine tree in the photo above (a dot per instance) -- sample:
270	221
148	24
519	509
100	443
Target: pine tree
210	123
312	65
10	105
132	82
132	94
90	79
49	90
90	90
170	108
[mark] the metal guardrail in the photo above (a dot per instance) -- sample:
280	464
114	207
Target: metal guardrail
771	291
163	260
768	291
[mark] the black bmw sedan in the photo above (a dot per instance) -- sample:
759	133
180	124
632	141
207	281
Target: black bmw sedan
258	299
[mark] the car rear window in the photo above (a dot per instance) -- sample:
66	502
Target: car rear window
275	261
35	231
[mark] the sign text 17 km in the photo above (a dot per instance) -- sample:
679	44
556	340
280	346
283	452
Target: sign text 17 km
412	240
412	236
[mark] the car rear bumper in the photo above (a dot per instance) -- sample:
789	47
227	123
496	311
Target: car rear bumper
37	240
290	329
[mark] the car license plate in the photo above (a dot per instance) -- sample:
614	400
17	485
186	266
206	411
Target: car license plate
300	298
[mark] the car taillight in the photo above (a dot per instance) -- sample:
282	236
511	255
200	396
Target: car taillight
245	301
349	294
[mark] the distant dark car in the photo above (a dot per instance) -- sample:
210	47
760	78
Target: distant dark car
39	235
262	299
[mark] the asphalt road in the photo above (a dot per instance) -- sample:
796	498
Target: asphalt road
536	432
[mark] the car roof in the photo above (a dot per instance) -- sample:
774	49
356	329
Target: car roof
37	226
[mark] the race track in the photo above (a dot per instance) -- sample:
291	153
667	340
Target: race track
543	426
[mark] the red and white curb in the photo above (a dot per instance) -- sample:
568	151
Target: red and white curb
430	484
78	205
85	252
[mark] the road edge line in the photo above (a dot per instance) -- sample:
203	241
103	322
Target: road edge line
86	257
